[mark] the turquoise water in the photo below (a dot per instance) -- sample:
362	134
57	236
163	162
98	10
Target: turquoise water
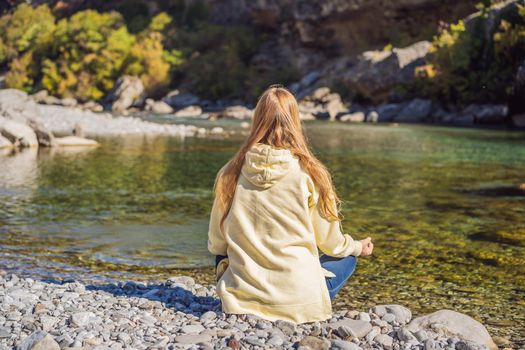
446	208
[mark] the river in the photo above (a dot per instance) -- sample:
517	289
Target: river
445	206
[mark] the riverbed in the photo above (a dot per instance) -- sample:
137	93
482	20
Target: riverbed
445	206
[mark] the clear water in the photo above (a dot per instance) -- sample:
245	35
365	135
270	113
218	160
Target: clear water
446	208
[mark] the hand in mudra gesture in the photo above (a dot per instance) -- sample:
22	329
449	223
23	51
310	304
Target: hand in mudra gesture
368	246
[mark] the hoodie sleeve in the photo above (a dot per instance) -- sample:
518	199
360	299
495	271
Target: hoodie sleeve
328	235
216	242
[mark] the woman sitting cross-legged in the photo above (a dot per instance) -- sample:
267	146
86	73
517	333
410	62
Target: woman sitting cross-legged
274	206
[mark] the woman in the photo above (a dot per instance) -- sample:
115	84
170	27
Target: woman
274	205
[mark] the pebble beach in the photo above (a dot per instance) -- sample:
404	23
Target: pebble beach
182	314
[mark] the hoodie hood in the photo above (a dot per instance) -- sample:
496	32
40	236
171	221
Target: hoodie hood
265	165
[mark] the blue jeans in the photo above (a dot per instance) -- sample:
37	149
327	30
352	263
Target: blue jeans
342	268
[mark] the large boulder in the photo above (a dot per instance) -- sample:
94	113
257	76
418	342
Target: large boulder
486	113
378	72
416	111
177	100
451	323
17	106
128	90
18	133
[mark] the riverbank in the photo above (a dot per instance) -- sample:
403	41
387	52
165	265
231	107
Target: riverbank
180	313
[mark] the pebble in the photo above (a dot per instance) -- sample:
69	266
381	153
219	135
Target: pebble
343	345
182	314
385	341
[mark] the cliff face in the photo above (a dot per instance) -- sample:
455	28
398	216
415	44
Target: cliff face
342	27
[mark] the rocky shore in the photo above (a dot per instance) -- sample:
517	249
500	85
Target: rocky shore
182	314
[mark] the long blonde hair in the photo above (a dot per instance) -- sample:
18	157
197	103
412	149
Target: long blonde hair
276	122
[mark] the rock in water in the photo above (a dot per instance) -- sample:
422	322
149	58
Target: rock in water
417	111
44	136
176	99
454	323
127	91
18	133
39	341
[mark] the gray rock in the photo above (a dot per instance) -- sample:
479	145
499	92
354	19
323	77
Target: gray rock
387	112
337	344
275	340
416	111
355	328
18	133
237	112
192	329
385	341
388	317
402	314
286	327
74	141
177	100
454	323
44	136
39	341
356	117
372	117
208	316
127	91
48	322
486	114
363	316
378	72
192	338
82	319
314	343
189	112
158	107
5	332
405	335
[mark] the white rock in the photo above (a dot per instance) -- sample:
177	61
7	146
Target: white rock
192	329
454	323
401	313
189	111
356	117
82	319
18	133
5	143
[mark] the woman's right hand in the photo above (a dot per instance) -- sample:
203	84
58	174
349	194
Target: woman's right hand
368	246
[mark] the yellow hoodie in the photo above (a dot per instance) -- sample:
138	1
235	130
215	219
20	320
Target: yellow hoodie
271	237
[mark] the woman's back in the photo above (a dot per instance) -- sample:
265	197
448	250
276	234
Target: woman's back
274	268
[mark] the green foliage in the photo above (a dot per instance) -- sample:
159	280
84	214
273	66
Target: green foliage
21	71
83	55
466	66
27	28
